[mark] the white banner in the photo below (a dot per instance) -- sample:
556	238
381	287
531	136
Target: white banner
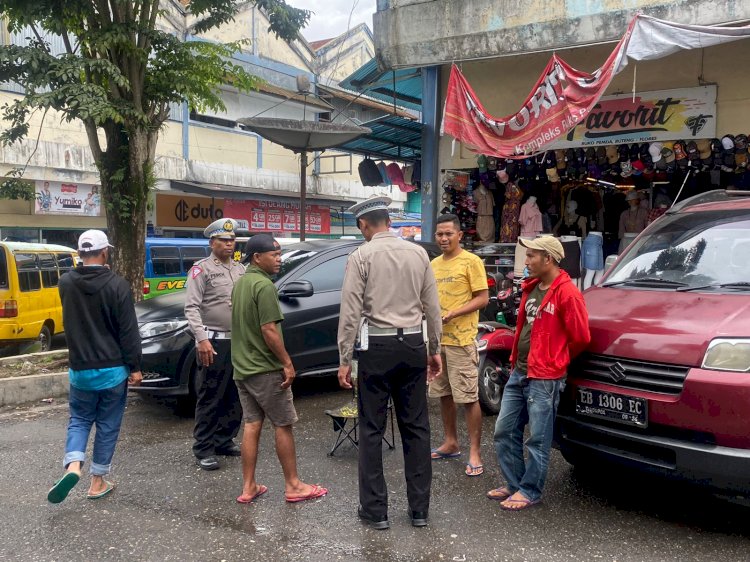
685	114
67	198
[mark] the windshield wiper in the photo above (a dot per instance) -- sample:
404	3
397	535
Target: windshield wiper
740	285
647	281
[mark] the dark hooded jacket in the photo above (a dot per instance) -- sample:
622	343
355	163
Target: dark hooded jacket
99	317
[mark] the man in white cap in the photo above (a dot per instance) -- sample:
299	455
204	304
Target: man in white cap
552	329
388	289
105	356
208	309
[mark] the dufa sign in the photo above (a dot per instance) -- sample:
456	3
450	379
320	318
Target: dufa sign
187	211
652	116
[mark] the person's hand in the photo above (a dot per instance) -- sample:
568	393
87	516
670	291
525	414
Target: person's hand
205	353
345	376
289	375
434	367
448	316
135	378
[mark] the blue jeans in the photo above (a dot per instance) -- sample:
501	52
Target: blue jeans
103	408
533	402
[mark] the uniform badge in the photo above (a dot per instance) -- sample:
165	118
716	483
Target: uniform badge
228	226
237	256
195	271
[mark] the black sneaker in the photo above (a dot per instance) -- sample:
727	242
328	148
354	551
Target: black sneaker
379	523
208	463
419	518
232	451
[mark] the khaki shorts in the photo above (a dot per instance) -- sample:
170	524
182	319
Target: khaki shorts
460	376
261	396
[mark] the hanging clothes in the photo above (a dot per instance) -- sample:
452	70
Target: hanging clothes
485	221
510	228
530	219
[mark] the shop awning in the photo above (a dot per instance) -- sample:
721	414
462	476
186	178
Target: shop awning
404	85
237	192
392	138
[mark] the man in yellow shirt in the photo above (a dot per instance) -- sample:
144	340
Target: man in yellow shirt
462	289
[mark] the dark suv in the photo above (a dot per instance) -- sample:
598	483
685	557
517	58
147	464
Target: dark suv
665	383
309	286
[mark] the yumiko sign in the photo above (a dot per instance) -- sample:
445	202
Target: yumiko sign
272	216
653	116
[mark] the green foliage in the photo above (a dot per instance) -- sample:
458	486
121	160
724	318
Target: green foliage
13	187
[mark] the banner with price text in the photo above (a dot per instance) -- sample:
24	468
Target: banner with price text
273	216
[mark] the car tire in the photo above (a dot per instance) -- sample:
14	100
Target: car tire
492	379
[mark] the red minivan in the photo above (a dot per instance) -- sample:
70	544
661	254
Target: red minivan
665	384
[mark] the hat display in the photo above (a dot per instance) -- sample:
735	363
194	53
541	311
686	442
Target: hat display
704	148
679	150
692	151
601	155
560	157
667	155
221	227
93	240
612	155
627	169
552	175
482	163
740	143
655	151
548	244
727	142
502	176
634	152
372	204
492	163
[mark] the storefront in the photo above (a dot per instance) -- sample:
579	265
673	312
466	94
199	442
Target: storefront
59	213
184	214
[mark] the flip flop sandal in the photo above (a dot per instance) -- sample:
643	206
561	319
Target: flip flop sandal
261	490
439	455
103	493
316	492
499	494
60	490
522	504
472	471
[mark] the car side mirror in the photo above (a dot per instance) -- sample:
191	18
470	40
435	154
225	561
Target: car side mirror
297	289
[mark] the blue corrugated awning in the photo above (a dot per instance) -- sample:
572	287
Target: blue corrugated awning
405	85
392	138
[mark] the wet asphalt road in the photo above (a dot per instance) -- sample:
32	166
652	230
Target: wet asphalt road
165	508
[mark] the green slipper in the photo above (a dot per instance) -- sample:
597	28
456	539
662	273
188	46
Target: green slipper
62	487
103	493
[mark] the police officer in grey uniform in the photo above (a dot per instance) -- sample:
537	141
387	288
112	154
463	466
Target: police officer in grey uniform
208	309
389	288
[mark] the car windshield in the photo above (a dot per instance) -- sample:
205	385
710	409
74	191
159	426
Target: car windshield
690	251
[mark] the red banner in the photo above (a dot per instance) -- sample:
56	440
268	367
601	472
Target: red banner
561	98
271	216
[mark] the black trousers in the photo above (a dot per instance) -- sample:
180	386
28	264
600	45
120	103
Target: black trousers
218	412
394	367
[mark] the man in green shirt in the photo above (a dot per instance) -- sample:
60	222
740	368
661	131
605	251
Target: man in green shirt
263	370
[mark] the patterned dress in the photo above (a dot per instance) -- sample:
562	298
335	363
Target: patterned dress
510	228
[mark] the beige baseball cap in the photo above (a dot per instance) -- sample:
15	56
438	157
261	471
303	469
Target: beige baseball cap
548	244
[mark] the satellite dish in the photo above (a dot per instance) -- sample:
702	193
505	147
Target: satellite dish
303	83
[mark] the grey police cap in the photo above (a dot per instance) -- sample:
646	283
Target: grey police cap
221	227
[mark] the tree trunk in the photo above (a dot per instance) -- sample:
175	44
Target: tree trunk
126	174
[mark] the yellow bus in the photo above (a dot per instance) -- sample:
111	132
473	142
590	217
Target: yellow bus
30	308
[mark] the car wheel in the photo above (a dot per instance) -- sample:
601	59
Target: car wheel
45	338
492	379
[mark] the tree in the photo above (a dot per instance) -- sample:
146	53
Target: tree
118	75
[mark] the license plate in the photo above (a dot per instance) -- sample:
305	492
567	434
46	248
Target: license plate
610	406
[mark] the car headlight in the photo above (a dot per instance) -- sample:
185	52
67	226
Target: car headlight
153	329
728	355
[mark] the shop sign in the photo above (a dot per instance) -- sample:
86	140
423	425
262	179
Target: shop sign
67	198
686	113
273	216
187	211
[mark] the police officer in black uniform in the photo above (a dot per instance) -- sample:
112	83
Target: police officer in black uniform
208	309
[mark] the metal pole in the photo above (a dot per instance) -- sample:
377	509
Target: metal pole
302	193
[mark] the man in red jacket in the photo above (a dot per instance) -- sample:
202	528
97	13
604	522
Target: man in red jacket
553	327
